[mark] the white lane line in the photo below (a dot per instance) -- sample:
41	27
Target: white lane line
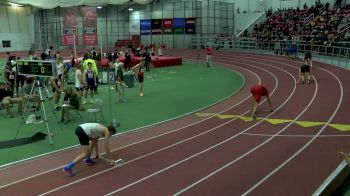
214	146
24	161
148	139
258	146
296	136
88	177
307	144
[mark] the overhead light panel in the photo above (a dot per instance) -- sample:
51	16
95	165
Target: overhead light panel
130	9
99	7
15	4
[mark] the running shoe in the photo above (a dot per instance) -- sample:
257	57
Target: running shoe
68	171
89	162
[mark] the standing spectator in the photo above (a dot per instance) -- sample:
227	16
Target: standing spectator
90	75
147	57
160	51
120	85
94	67
278	47
116	55
208	52
56	88
138	70
258	91
9	57
93	53
60	71
19	78
9	75
80	82
72	57
127	61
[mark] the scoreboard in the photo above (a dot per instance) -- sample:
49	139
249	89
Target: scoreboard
36	68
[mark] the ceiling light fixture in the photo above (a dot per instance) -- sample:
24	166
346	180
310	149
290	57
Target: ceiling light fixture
99	7
15	4
130	9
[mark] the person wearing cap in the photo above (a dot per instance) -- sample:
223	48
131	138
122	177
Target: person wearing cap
91	132
257	92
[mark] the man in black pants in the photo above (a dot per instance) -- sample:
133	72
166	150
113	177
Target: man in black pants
147	58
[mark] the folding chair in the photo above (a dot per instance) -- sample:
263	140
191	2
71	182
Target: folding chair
96	109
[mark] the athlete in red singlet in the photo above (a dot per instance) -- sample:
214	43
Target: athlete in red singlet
257	92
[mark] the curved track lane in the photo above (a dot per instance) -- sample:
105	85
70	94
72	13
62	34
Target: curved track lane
208	155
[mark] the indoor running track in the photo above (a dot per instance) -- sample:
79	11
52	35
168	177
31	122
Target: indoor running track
208	155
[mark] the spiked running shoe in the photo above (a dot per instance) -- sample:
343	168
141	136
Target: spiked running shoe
68	171
89	162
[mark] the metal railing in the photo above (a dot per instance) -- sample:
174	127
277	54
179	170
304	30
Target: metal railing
344	27
325	53
308	19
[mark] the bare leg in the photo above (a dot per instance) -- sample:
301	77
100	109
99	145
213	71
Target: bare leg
302	78
6	104
269	102
85	152
254	107
308	77
140	89
299	76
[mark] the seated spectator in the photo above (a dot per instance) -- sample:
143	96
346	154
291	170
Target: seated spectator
71	102
6	98
9	75
30	94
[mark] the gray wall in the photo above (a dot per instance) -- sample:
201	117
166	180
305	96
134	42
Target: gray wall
17	26
117	23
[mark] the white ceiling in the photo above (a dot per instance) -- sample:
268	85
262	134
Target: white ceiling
49	4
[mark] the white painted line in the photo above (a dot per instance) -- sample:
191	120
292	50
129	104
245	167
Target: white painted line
218	144
23	161
299	136
308	143
141	141
258	146
138	158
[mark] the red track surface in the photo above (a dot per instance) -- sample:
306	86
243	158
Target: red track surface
211	156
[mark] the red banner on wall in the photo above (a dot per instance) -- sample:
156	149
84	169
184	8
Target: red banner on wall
167	26
89	25
69	19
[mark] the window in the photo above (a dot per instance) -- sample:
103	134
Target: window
6	43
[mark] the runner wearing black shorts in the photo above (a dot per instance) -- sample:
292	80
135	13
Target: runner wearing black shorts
305	72
91	132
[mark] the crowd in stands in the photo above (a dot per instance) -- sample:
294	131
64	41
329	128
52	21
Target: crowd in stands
317	24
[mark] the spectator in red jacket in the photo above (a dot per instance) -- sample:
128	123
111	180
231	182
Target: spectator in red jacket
208	52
